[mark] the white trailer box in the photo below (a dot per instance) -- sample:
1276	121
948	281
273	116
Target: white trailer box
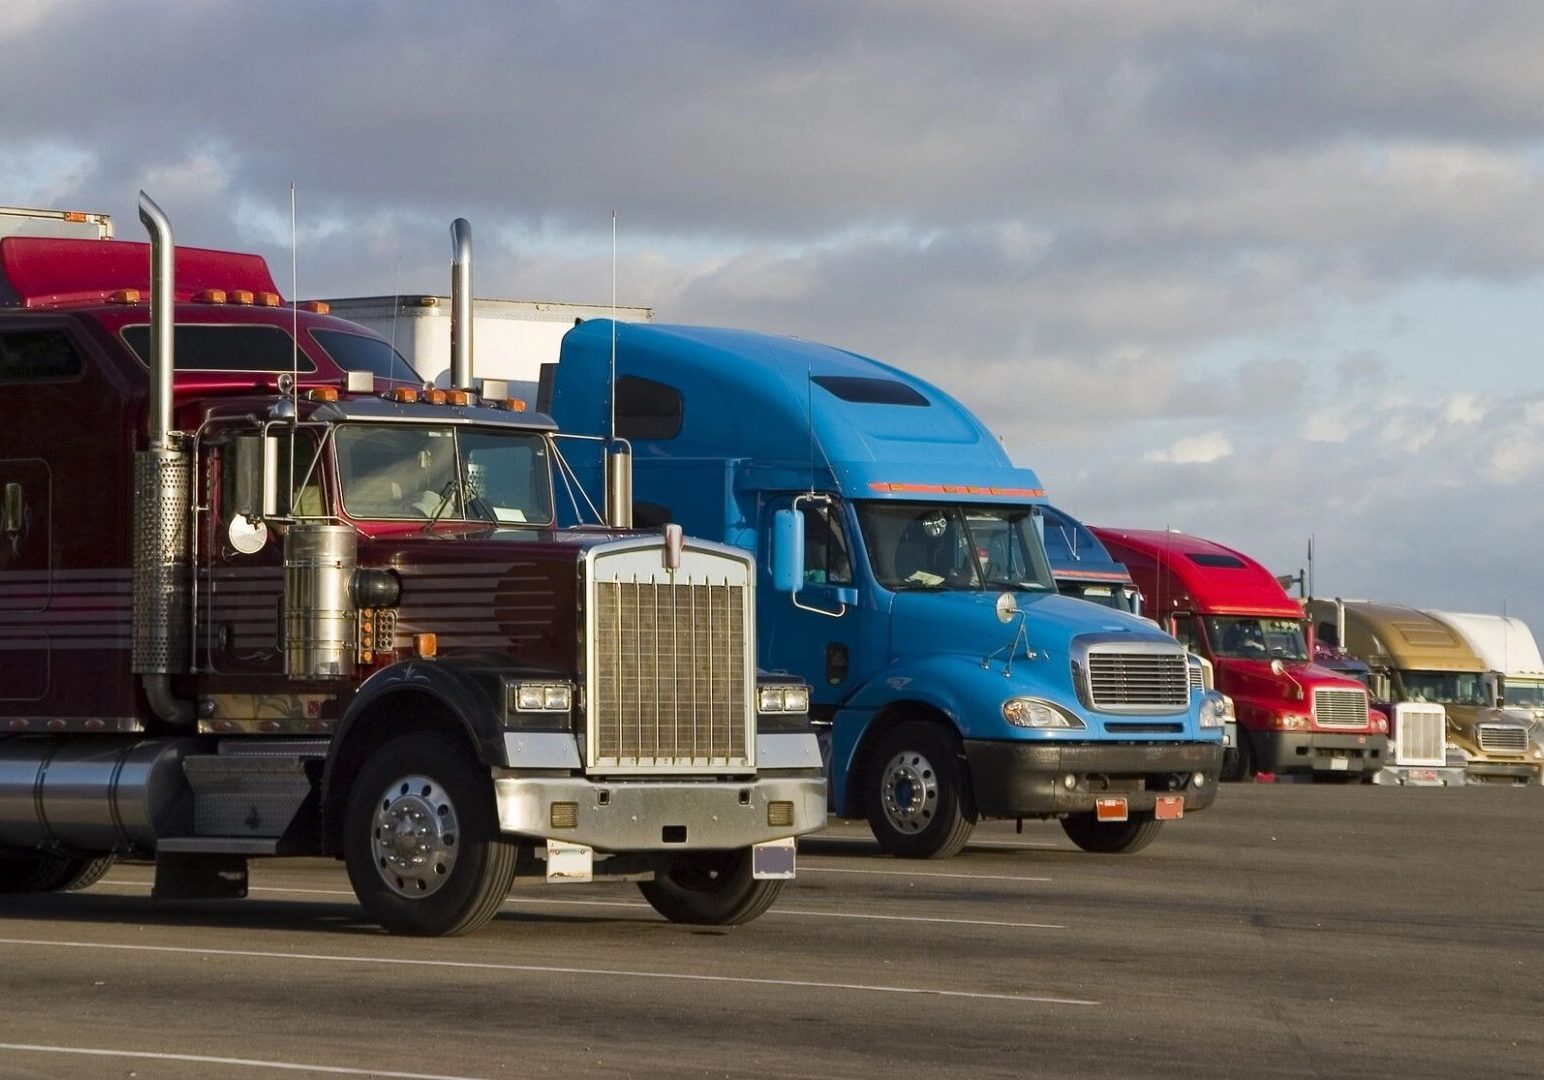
67	224
511	339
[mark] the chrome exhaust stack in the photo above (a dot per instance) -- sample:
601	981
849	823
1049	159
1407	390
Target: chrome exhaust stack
163	499
461	305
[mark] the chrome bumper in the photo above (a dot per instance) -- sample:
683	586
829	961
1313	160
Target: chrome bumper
668	815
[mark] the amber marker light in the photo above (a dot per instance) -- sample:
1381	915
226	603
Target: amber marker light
405	394
210	296
457	397
514	404
426	645
434	397
322	393
267	299
240	296
316	307
124	296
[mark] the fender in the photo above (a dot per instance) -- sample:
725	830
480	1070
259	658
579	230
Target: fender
957	686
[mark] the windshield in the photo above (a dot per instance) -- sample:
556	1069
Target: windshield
1257	639
421	472
1445	687
1524	694
946	546
1119	597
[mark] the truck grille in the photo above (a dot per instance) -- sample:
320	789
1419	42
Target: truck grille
1197	680
1340	708
1137	681
1503	738
669	688
1420	735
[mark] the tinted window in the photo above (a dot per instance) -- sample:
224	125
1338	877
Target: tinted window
1228	562
361	352
224	348
647	409
869	391
26	355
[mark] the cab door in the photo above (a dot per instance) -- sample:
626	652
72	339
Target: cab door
26	579
814	633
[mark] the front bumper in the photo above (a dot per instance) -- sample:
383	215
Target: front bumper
1500	772
666	815
1318	751
1016	779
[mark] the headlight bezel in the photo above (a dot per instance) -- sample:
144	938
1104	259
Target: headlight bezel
1215	711
782	699
538	697
1039	714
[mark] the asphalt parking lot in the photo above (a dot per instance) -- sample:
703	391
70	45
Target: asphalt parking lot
1289	931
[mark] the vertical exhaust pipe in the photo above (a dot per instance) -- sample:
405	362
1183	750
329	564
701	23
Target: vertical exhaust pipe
163	500
461	305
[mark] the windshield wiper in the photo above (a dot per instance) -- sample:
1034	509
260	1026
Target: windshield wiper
446	492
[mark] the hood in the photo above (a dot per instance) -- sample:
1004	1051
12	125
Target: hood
1254	678
966	623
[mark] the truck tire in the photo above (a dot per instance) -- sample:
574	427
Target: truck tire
711	888
421	839
1111	837
918	802
1238	764
39	872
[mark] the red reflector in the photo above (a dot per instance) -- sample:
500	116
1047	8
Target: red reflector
1110	809
1169	807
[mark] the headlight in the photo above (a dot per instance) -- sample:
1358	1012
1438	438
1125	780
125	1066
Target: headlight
1216	710
1035	713
783	699
540	697
1290	722
1380	724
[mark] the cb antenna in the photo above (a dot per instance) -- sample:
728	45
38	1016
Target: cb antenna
611	388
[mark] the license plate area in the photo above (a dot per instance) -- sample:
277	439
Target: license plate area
1110	808
773	860
1169	807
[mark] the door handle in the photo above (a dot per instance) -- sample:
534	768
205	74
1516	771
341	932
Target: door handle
14	512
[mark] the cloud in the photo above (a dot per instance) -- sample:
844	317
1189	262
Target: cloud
1194	450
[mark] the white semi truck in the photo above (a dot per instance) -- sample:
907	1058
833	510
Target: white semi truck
65	224
1508	648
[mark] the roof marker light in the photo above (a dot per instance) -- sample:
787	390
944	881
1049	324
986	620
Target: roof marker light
514	404
317	307
240	296
123	296
960	489
266	299
457	397
405	394
210	296
434	397
322	393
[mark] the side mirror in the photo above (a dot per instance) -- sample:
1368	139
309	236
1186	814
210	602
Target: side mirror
1278	668
787	551
256	475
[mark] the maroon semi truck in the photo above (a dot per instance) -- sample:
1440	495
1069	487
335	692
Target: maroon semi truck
264	593
1293	715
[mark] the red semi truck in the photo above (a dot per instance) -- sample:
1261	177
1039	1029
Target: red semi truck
1293	715
263	593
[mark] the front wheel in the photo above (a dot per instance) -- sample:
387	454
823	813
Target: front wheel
35	873
421	839
1111	837
1238	763
919	806
711	888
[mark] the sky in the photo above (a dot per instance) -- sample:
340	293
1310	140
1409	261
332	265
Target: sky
1258	271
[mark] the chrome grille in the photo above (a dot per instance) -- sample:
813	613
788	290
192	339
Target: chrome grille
1197	680
1503	738
1420	735
669	683
1340	708
1133	681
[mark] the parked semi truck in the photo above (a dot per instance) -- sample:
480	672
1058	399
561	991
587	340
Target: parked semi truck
1416	659
1506	645
1293	716
254	604
1083	568
515	337
904	577
77	224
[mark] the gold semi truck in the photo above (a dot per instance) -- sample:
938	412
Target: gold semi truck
1417	659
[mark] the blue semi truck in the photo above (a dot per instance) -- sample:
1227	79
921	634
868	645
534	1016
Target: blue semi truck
1083	568
902	572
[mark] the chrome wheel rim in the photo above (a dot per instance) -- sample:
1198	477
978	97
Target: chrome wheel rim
415	836
909	793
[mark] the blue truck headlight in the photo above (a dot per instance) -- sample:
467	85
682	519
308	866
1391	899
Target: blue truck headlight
1216	709
1036	713
783	699
539	697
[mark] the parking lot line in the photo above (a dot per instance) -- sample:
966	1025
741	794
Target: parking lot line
807	869
638	905
204	1059
548	969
